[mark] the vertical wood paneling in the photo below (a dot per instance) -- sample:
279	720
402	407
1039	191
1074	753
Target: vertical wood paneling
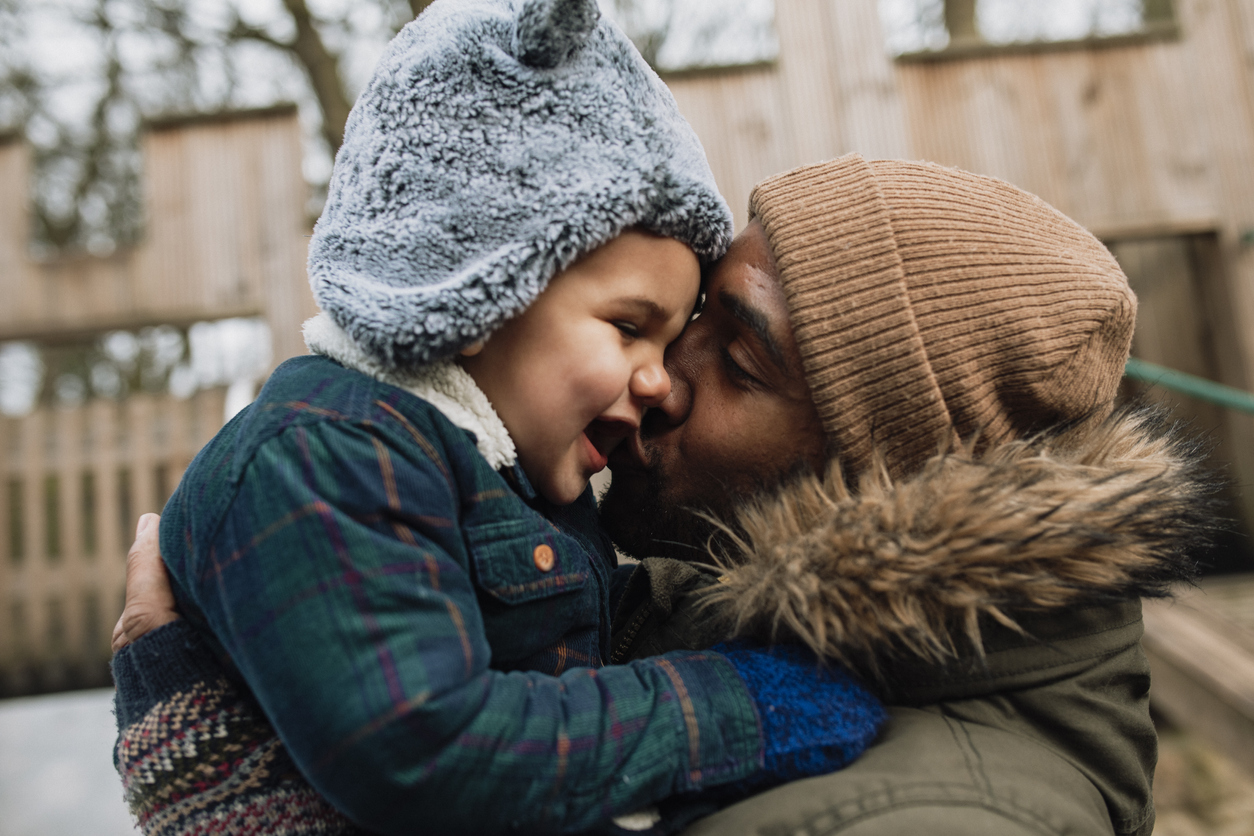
281	245
871	117
164	252
806	83
1115	137
14	222
831	91
1224	87
1121	138
205	252
741	121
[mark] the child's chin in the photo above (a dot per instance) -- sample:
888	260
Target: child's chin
563	491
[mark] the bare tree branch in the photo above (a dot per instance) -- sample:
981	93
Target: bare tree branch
241	31
960	21
417	6
323	69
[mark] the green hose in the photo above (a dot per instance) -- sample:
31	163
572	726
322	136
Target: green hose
1191	385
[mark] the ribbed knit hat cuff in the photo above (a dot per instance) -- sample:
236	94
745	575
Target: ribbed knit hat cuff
830	231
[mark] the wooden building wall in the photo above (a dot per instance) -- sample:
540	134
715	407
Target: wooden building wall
225	235
1148	142
1135	139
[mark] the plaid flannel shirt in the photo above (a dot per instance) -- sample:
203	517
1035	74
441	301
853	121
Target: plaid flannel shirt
371	579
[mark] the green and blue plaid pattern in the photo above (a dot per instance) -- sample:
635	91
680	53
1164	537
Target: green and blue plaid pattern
371	580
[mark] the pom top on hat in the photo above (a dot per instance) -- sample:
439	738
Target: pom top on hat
498	141
931	305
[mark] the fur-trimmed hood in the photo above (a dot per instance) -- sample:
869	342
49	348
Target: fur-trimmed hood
911	567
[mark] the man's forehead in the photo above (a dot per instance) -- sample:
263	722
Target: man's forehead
747	285
759	322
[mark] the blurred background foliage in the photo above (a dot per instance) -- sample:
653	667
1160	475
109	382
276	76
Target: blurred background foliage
164	358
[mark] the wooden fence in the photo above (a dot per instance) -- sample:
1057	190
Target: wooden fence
74	482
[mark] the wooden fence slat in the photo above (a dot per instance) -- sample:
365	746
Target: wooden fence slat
872	117
8	633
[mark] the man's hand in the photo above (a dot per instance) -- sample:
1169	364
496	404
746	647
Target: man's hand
149	599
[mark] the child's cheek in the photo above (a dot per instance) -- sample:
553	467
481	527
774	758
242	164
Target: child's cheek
603	376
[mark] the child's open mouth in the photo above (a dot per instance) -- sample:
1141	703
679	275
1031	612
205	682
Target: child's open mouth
602	437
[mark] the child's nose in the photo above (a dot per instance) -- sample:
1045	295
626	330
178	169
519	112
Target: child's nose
651	384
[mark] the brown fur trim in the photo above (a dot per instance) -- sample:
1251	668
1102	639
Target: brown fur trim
910	566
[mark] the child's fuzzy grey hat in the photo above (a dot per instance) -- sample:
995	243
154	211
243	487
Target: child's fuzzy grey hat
498	141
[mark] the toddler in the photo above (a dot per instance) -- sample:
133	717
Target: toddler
394	551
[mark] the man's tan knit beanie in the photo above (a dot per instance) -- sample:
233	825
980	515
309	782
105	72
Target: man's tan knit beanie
932	305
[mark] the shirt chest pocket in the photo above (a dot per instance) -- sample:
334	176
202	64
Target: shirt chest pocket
518	561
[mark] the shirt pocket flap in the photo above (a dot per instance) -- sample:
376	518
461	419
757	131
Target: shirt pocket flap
510	559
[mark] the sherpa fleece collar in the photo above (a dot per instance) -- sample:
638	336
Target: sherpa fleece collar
445	385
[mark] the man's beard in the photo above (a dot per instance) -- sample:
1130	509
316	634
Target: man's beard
654	523
648	524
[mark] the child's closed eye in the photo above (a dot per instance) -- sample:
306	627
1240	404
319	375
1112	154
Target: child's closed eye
629	329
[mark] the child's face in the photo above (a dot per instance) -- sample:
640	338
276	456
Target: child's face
571	376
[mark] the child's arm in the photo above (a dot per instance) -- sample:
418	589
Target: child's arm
336	585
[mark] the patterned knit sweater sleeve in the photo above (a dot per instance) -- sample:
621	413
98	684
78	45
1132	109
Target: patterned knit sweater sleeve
197	756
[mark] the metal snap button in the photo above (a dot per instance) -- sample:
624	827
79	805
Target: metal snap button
543	557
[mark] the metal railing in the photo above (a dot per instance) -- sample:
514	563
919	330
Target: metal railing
1191	385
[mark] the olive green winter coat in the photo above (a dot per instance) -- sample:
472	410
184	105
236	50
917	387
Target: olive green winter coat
994	600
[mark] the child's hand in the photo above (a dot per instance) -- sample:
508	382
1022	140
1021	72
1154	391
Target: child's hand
149	599
815	718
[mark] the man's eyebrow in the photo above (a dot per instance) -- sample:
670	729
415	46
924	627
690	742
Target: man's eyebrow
758	323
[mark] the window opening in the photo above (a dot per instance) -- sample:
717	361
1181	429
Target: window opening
89	513
687	35
923	28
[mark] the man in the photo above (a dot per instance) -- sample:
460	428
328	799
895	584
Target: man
871	317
